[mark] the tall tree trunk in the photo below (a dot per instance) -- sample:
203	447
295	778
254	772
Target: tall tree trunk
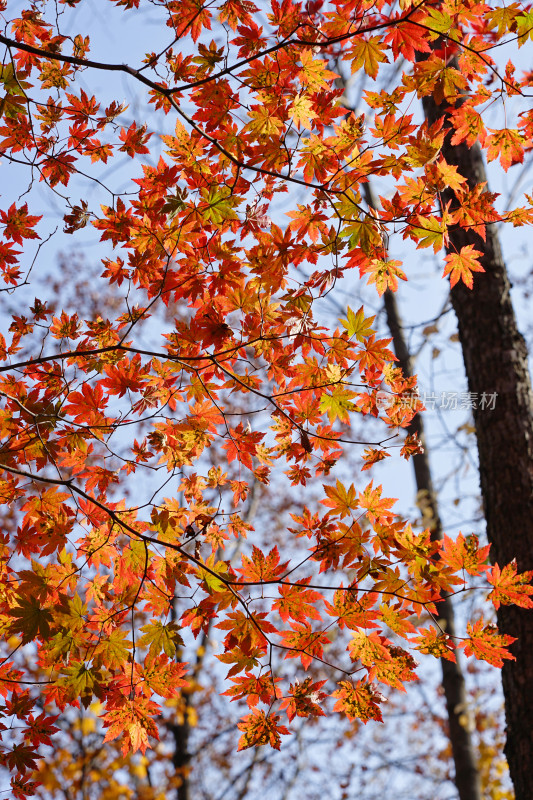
181	757
453	683
495	358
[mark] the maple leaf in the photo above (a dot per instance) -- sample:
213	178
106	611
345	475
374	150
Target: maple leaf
131	720
305	220
23	786
397	670
502	18
78	219
507	145
377	506
241	661
358	701
372	456
357	324
262	568
162	676
465	553
368	648
411	446
384	274
19	224
446	176
260	728
9	679
524	26
314	73
304	699
39	729
436	643
374	354
338	403
461	265
486	644
242	445
134	140
264	123
246	631
65	327
20	758
81	681
254	689
342	501
368	54
304	643
468	124
30	619
125	377
510	587
58	168
87	405
198	618
159	637
215	575
301	111
219	205
430	232
396	619
112	650
235	11
297	602
404	38
190	15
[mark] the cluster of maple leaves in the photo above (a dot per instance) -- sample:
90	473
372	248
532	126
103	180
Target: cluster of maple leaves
91	414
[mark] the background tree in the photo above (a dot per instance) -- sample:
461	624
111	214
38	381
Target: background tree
467	778
489	335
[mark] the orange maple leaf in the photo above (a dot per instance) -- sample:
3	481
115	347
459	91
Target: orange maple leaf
510	587
261	728
460	266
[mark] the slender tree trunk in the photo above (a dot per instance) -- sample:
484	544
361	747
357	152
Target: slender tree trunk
181	757
453	682
495	358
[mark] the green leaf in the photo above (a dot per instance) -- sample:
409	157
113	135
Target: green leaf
81	681
338	404
159	637
358	325
112	651
524	27
30	620
430	232
221	204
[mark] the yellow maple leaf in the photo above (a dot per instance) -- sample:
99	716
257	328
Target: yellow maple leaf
368	53
302	112
313	73
264	122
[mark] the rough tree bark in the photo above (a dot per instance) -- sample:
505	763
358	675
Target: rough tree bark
495	358
453	683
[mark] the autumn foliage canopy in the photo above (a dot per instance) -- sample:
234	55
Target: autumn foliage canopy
131	443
